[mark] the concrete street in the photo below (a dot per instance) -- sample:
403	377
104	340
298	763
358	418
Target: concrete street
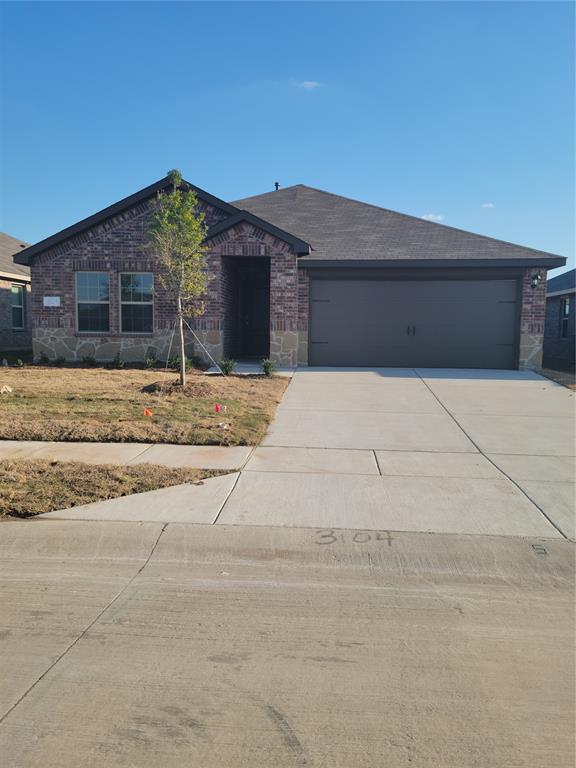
127	644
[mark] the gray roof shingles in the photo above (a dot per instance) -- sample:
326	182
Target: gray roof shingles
8	247
564	282
341	229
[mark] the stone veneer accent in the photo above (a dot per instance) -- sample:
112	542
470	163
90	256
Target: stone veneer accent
119	245
532	318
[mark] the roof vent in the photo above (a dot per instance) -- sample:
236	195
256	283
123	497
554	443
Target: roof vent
276	185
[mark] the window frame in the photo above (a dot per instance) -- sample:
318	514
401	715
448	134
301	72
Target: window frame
21	306
136	303
564	316
77	302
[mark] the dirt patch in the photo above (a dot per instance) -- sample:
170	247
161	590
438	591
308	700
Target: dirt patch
21	480
103	405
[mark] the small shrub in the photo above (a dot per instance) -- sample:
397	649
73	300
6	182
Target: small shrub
117	362
268	366
89	361
227	366
174	363
19	363
150	361
43	359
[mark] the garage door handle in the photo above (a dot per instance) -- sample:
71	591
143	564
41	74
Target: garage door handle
413	330
408	330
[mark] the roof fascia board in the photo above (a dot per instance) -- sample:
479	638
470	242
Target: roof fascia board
560	293
300	246
550	262
113	210
13	276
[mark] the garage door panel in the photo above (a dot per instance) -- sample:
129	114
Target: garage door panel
456	323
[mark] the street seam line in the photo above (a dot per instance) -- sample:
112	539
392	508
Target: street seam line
87	629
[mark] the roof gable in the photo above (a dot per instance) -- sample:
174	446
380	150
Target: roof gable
341	230
10	246
299	246
114	210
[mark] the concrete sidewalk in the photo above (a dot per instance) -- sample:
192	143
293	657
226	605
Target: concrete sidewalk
196	646
196	456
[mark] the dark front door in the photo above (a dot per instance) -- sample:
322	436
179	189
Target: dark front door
414	323
253	307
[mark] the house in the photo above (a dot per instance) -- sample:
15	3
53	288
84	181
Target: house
15	320
301	275
559	341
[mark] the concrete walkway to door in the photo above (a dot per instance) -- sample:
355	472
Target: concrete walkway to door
452	451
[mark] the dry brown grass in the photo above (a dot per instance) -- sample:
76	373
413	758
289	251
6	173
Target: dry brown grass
29	487
96	404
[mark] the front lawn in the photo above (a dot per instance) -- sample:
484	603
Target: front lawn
29	487
99	404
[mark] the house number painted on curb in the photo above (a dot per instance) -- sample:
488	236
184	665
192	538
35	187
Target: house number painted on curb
357	537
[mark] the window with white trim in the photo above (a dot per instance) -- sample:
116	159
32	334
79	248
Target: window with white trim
137	302
17	300
93	302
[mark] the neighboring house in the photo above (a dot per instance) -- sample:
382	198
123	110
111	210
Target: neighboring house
303	276
15	321
559	340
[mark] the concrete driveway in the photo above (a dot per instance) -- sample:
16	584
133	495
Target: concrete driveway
460	452
481	452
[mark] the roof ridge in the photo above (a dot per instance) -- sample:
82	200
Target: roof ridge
424	221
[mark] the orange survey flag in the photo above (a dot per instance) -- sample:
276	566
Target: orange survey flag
148	412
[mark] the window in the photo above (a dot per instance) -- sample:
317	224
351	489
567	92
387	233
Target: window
17	307
564	316
137	302
93	301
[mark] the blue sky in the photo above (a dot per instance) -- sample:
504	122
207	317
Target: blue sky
459	110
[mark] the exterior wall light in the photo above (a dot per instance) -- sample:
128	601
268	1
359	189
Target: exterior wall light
536	277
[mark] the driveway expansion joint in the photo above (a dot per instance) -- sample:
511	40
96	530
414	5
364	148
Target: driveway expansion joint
455	420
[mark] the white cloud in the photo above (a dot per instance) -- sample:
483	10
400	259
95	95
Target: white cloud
433	217
308	85
488	205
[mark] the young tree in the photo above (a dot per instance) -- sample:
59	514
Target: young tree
176	235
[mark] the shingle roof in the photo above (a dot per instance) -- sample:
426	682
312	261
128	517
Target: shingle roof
340	229
233	214
566	282
8	247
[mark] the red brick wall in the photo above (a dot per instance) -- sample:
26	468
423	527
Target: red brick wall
119	245
532	319
533	304
303	299
245	240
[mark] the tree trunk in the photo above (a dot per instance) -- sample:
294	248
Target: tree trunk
182	348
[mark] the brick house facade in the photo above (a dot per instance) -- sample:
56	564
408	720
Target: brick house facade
15	315
259	300
560	327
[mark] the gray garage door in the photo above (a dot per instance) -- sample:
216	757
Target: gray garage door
428	323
